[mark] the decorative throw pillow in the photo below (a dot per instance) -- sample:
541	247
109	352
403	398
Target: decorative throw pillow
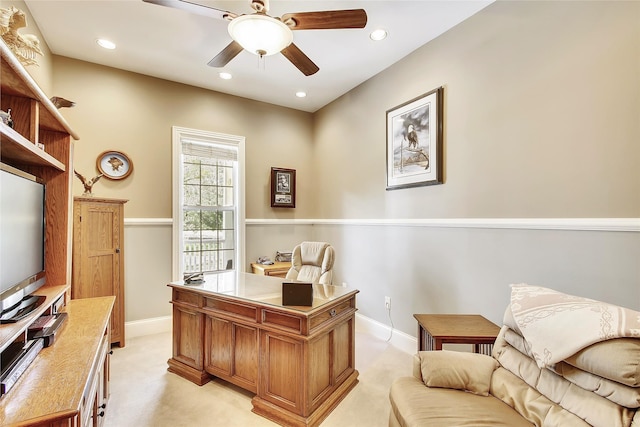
457	370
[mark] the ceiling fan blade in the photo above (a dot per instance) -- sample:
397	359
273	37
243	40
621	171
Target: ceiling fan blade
195	8
226	55
300	60
326	20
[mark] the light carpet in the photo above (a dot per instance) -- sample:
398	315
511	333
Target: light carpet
144	393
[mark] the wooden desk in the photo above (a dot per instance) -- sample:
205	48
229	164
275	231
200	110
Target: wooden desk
437	329
299	361
278	269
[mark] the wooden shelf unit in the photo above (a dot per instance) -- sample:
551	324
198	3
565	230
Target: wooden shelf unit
36	120
67	383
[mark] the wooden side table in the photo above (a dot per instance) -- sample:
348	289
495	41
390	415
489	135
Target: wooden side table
277	269
437	329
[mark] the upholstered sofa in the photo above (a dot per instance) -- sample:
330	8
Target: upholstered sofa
535	375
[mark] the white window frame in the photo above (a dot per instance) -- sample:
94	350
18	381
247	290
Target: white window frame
178	134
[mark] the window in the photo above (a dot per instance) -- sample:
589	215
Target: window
208	214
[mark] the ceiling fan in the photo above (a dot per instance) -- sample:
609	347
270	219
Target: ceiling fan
264	35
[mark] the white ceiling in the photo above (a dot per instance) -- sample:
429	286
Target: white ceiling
175	45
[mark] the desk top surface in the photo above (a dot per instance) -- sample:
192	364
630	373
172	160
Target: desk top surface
262	289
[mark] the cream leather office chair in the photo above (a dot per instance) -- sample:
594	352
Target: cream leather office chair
312	262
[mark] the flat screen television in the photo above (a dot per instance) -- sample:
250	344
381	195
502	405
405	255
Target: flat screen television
22	236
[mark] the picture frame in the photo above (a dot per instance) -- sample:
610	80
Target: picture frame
283	188
414	142
114	165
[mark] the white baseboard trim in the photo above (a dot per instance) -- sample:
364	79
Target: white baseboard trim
404	342
155	325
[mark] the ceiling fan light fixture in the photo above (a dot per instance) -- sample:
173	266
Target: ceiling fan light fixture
260	34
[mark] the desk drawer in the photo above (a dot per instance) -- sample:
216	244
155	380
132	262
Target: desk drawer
242	311
282	321
187	298
326	317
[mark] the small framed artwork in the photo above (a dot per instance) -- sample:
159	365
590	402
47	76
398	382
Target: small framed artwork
283	188
414	142
114	165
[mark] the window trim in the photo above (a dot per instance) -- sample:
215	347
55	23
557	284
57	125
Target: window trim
177	134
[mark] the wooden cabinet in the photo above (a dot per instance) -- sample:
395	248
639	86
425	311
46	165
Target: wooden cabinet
98	256
67	384
277	269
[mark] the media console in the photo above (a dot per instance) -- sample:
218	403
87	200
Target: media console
67	383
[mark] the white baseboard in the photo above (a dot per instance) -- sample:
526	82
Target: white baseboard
156	325
404	342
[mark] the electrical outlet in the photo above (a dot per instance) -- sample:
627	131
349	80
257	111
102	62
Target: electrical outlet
387	303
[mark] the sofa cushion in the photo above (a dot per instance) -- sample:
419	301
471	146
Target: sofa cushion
457	370
413	404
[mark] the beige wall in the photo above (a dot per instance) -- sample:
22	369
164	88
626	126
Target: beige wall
133	113
541	119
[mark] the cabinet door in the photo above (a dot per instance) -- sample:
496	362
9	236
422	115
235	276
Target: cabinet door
231	352
97	260
281	371
187	337
218	345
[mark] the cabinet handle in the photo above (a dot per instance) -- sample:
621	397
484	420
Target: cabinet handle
332	313
104	405
111	352
117	250
101	414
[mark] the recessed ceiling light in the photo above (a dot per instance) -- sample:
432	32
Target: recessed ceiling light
106	44
301	94
225	76
378	34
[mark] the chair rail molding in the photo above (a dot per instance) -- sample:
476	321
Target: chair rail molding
575	224
148	221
